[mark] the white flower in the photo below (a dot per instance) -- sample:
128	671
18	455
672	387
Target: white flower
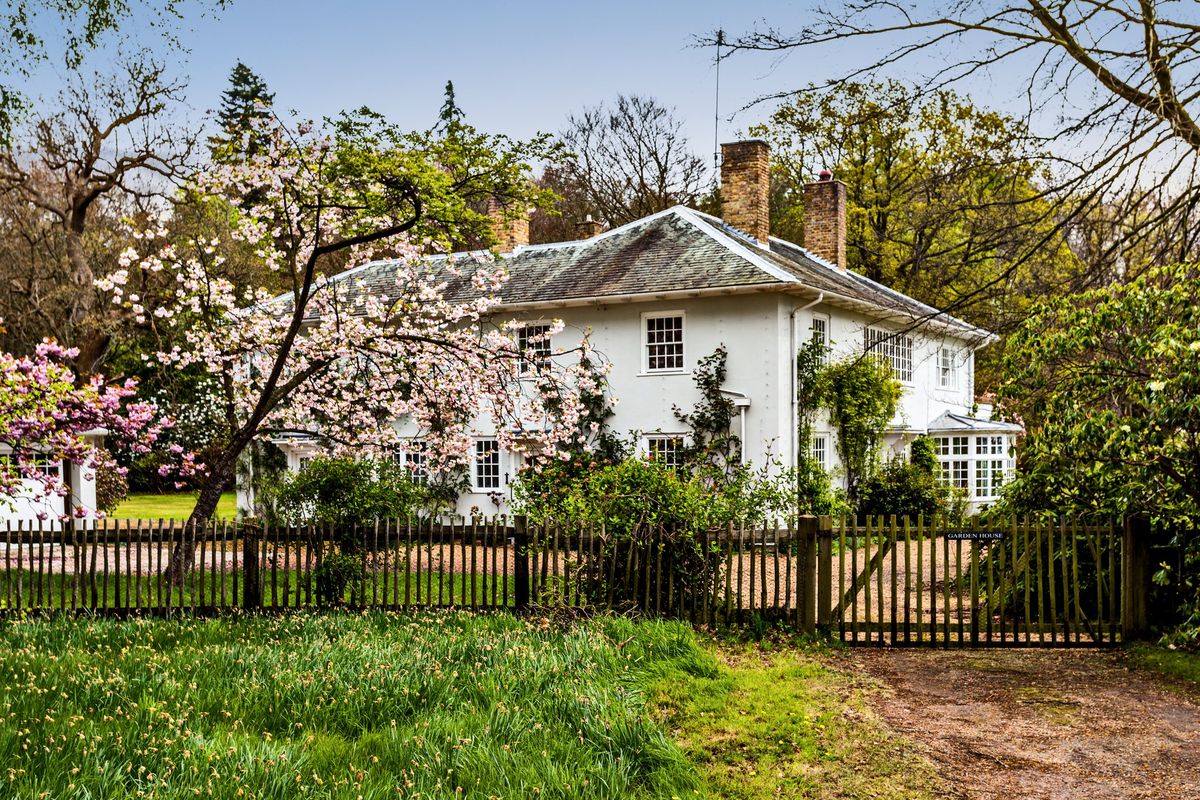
1156	386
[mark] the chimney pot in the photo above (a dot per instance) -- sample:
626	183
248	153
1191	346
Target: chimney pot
746	187
825	219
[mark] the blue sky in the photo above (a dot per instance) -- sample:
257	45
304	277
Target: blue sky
518	67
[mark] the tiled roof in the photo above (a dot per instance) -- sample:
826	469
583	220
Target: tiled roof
677	250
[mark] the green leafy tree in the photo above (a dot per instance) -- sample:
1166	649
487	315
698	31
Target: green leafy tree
245	104
944	198
1108	385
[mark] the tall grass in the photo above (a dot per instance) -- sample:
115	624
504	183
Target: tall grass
339	706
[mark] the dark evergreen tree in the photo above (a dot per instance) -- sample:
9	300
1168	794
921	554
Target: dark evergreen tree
451	115
244	102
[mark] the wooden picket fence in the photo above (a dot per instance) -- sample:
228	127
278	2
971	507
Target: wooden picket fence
872	581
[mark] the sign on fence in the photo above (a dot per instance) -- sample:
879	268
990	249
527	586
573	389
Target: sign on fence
975	536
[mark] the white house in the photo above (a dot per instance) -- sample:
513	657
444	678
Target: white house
659	293
26	507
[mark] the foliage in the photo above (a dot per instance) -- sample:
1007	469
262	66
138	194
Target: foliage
45	416
814	491
335	573
906	488
943	197
345	492
862	398
111	490
712	446
86	25
1114	374
341	706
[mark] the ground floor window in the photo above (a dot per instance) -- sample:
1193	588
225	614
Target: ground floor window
34	465
820	451
667	449
487	464
978	463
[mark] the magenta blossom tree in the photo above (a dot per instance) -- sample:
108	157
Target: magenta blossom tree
45	416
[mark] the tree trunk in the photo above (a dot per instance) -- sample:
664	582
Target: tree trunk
183	554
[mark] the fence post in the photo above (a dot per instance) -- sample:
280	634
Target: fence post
807	530
1135	578
521	561
824	572
251	586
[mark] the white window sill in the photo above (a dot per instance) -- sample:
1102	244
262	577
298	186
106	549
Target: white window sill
652	373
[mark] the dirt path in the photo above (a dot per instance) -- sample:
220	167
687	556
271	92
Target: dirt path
1047	724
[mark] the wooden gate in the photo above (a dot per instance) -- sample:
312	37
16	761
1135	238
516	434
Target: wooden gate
1015	583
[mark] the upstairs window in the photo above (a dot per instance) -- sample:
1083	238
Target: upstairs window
487	464
947	368
820	332
533	342
666	449
664	342
893	350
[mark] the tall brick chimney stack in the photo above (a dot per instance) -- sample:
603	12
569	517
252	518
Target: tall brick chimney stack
746	187
825	219
588	228
511	230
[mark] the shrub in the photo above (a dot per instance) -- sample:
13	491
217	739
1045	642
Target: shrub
111	489
344	492
906	488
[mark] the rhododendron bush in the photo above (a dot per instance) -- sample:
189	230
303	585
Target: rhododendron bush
44	416
335	358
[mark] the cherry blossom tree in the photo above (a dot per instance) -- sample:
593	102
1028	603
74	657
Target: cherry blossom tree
344	358
45	416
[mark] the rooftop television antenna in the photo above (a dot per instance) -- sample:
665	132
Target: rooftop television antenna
717	110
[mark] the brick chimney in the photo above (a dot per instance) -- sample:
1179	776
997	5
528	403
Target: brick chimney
511	230
589	228
746	187
825	219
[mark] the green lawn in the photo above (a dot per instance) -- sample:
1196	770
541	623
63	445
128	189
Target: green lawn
170	506
449	705
1174	663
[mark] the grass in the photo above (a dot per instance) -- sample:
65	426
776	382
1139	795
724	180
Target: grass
1178	664
786	722
285	588
170	506
432	705
338	706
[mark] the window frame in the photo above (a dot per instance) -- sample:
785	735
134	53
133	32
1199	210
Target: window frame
826	323
820	454
947	368
414	451
980	463
477	465
675	463
646	343
542	351
894	349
